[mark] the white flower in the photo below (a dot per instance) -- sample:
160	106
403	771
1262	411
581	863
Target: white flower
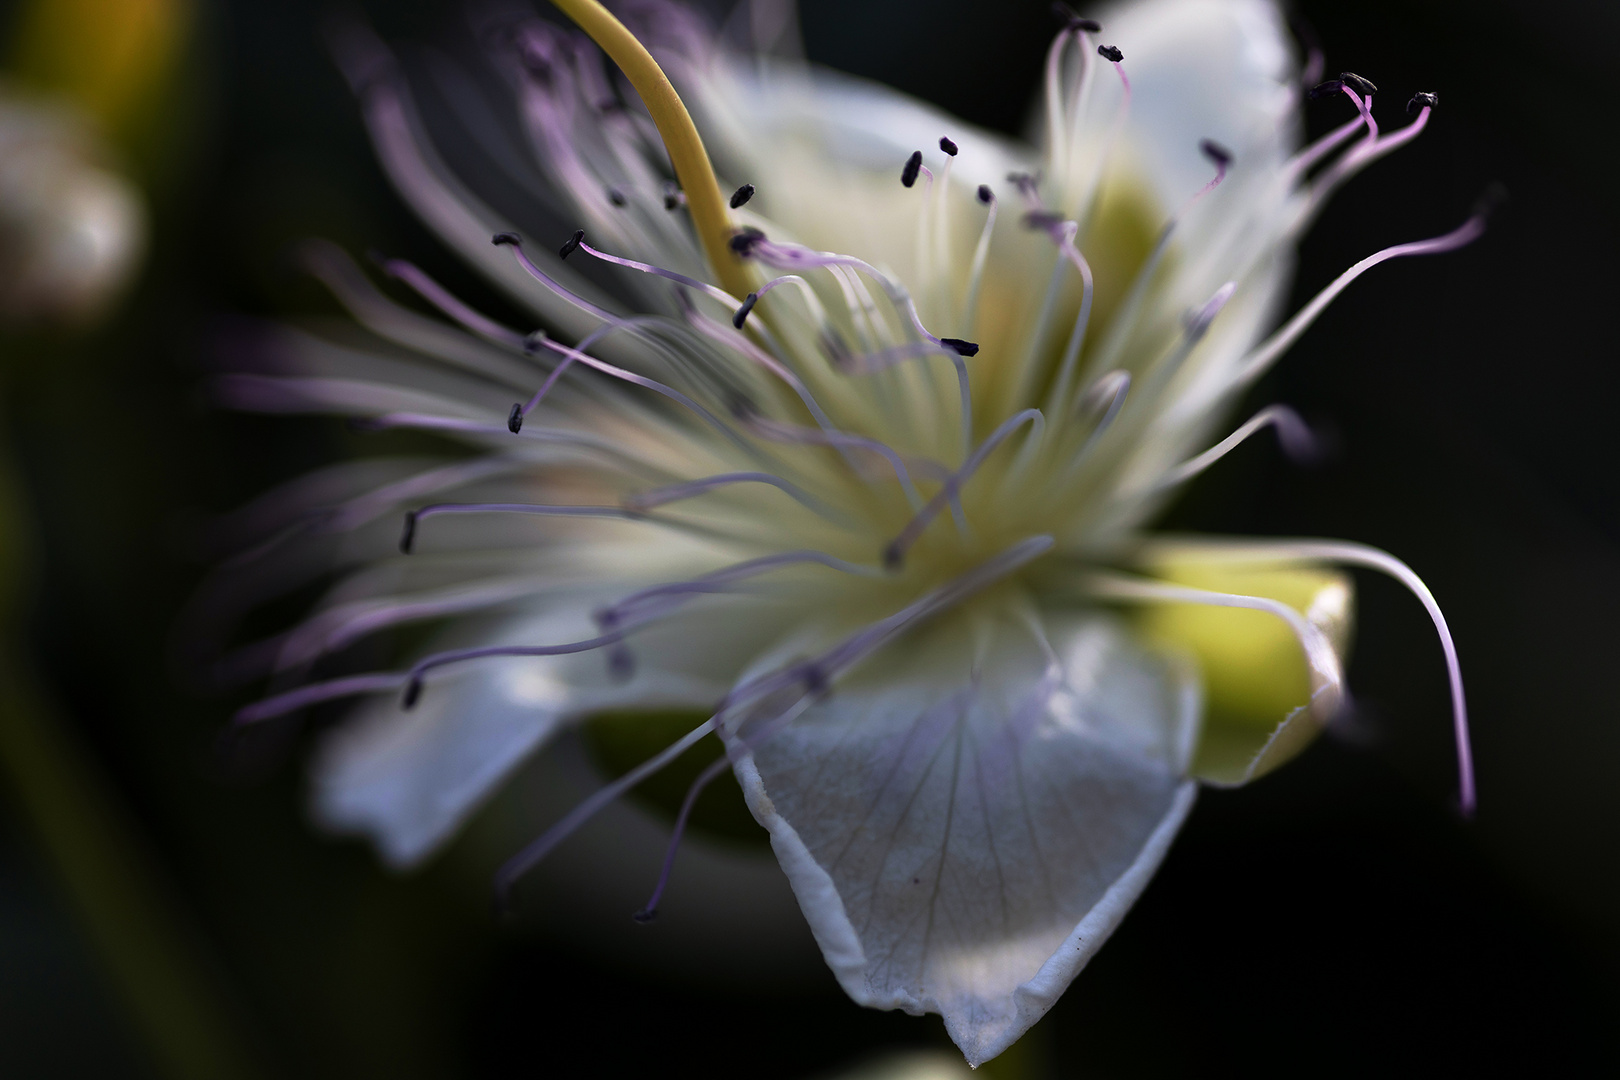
888	510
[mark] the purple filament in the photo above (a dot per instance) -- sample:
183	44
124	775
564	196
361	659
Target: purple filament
441	298
647	268
895	552
315	693
713	582
648	500
516	244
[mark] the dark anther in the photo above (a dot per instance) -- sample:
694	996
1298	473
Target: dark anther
1493	197
1071	19
1423	101
672	196
1220	155
413	693
621	663
506	238
645	915
1110	52
815	679
407	538
609	105
1325	89
742	408
745	240
741	314
963	348
573	243
908	175
1028	183
893	556
947	146
1042	219
533	341
742	195
514	419
985	194
615	196
1364	87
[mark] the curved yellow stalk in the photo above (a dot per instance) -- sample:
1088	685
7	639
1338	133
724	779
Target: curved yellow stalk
686	152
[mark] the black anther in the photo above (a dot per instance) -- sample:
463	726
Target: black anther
893	556
815	679
908	175
1423	100
572	245
947	146
742	195
1220	155
407	538
1042	219
615	196
1110	52
506	238
645	915
1325	89
413	693
514	419
621	663
741	315
672	196
985	194
964	348
745	240
1364	87
533	341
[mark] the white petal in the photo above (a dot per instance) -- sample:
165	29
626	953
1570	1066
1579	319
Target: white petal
966	823
1204	69
408	779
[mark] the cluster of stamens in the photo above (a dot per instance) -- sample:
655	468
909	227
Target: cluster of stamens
1019	488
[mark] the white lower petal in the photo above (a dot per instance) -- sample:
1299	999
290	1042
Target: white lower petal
409	778
965	825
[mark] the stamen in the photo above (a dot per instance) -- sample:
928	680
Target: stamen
446	302
649	911
314	694
1350	554
980	254
648	500
1423	100
1327	675
1362	86
908	175
895	552
514	419
407	537
578	241
741	314
946	145
716	581
772	429
1269	350
525	860
514	241
616	197
413	677
571	244
1110	53
741	196
1295	437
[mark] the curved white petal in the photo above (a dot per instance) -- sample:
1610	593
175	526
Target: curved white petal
1205	69
966	823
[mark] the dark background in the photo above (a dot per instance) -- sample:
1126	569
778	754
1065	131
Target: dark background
1335	919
